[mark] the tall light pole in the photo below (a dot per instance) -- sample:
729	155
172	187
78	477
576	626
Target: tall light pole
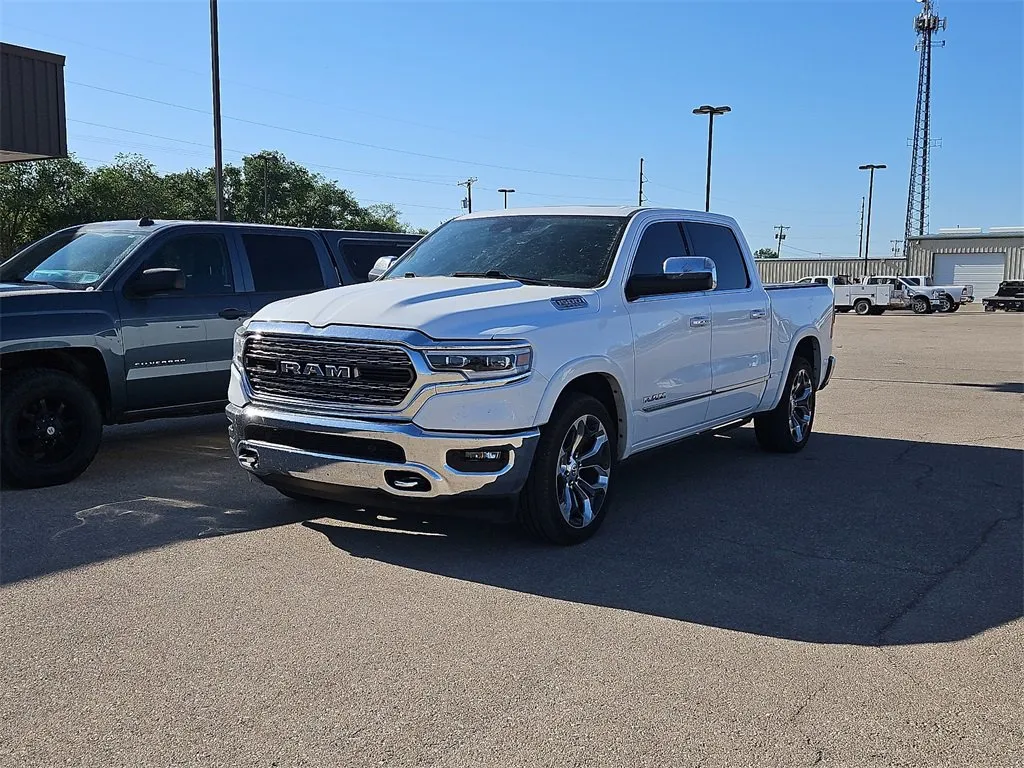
218	155
505	191
871	168
710	111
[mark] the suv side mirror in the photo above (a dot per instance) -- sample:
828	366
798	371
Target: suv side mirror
679	274
157	280
382	265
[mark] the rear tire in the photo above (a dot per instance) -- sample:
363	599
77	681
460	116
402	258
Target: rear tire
954	307
567	495
946	303
787	427
50	428
862	306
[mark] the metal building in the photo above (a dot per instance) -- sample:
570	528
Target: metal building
33	125
790	270
983	259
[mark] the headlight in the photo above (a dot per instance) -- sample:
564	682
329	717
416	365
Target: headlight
496	363
239	343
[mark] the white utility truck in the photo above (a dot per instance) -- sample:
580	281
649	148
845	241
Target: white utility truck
917	292
848	294
519	356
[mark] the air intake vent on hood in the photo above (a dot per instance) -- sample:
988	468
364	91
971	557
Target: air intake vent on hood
569	302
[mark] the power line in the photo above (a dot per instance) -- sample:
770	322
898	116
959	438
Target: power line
352	142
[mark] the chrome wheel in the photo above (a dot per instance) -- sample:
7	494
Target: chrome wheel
801	405
584	464
945	305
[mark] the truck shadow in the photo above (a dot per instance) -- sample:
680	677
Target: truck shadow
856	540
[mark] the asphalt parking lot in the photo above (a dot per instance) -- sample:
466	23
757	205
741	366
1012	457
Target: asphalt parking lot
857	604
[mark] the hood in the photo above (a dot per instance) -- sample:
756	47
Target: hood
440	307
10	289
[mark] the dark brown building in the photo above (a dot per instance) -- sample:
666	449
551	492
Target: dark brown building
33	125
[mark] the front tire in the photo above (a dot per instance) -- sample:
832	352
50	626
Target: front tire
787	427
862	306
921	306
567	494
51	427
954	307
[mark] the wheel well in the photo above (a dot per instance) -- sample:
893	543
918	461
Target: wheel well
606	390
83	363
809	350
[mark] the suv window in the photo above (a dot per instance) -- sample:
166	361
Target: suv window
719	244
361	255
204	260
660	241
283	263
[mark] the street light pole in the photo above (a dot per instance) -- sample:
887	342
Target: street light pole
218	155
710	111
871	168
505	191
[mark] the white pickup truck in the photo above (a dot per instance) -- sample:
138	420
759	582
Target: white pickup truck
848	294
519	356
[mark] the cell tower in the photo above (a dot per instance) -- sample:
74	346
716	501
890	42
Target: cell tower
927	24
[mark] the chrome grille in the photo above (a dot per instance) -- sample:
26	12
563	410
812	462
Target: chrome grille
376	374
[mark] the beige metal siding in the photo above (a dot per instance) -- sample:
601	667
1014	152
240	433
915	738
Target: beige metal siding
788	270
922	252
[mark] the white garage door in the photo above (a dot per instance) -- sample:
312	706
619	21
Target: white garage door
982	270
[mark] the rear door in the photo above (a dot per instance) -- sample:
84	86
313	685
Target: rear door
739	323
279	265
178	344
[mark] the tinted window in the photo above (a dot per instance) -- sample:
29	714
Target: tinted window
283	263
659	242
204	260
822	280
361	256
719	244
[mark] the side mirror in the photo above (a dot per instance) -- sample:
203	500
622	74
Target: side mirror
680	274
157	280
382	265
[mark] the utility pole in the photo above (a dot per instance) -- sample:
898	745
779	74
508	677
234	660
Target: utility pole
218	155
506	191
264	189
710	111
860	242
468	184
897	247
780	236
640	197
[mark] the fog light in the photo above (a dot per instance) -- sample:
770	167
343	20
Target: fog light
479	459
482	455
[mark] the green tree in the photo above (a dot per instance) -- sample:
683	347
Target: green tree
766	253
38	198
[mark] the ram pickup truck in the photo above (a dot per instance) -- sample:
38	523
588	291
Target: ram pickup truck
519	356
919	293
848	294
125	320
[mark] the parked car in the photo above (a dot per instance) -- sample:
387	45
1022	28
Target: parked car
1009	297
519	356
848	294
917	292
119	321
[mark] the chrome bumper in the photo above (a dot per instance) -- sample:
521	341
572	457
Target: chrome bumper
828	372
425	455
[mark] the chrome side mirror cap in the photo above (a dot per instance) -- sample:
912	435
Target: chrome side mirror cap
696	272
382	265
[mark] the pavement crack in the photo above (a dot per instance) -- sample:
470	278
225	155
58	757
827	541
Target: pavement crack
942	576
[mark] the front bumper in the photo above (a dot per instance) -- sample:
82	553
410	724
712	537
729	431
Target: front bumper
396	460
828	372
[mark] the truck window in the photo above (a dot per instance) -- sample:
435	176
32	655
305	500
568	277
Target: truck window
719	244
361	255
804	281
661	240
824	281
283	263
204	260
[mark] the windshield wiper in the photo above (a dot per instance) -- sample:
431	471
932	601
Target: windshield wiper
496	274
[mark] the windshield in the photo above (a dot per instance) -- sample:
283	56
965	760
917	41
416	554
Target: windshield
574	251
76	258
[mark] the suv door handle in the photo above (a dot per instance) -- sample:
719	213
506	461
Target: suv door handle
700	321
757	314
233	314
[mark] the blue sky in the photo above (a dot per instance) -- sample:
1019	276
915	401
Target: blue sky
560	101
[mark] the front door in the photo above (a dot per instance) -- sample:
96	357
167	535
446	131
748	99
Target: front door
178	344
672	345
740	325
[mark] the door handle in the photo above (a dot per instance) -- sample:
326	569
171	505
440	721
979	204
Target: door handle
700	321
233	314
757	314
